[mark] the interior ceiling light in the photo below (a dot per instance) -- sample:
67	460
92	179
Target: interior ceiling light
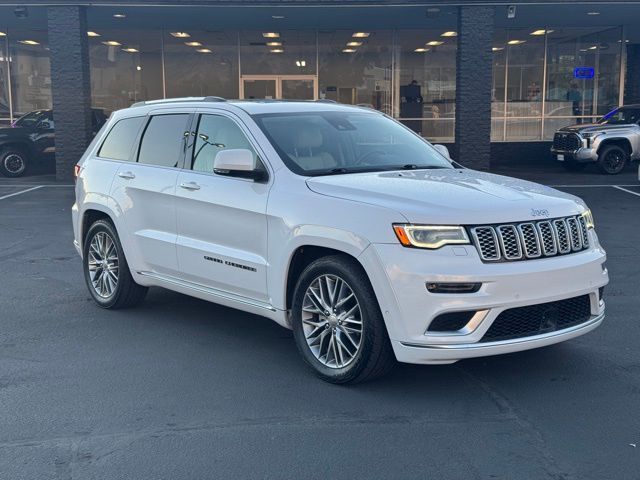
180	34
301	63
348	50
112	43
421	50
593	13
277	17
516	42
204	50
130	50
449	34
540	32
354	44
274	44
497	49
593	47
28	42
276	50
434	43
271	35
361	35
2	34
193	44
138	67
93	34
119	15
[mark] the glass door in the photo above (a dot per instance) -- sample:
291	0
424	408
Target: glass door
298	88
264	88
288	87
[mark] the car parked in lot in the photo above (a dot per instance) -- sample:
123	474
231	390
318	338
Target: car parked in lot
339	223
31	138
612	142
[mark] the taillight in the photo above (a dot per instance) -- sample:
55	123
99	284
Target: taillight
76	172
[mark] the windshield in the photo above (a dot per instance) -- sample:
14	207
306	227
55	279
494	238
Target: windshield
29	120
621	116
329	143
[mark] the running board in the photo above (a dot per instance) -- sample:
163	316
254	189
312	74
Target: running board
209	291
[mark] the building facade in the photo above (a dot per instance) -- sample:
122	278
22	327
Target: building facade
494	81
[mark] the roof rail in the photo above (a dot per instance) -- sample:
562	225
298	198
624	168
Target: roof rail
177	100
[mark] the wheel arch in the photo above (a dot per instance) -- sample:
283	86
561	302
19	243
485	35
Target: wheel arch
90	215
303	256
621	142
22	145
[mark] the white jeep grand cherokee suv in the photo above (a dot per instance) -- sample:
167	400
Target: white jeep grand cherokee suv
339	223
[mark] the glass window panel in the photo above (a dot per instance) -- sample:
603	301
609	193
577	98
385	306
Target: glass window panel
361	77
570	48
119	142
210	68
525	68
5	111
427	83
498	91
215	134
30	71
125	73
296	54
163	140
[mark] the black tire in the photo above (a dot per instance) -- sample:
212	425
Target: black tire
612	159
14	162
573	166
126	293
374	357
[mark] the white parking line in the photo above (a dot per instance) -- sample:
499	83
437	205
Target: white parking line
588	186
24	185
625	190
21	192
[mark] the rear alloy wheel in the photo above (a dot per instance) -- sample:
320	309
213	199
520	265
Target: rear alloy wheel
612	159
13	162
106	271
337	323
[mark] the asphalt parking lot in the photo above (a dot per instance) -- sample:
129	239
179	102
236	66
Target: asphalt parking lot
180	388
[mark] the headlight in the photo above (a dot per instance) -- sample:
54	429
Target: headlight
588	219
430	236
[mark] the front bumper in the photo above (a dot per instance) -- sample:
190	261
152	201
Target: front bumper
582	155
399	277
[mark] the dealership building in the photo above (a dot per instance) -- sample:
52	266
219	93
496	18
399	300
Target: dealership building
493	80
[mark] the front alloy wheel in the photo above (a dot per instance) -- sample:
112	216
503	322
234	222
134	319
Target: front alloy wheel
337	323
612	159
332	321
13	162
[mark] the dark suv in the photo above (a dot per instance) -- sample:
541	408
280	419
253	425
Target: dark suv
31	139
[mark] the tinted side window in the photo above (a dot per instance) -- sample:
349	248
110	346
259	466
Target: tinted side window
120	139
216	133
163	140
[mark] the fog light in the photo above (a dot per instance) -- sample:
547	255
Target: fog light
453	287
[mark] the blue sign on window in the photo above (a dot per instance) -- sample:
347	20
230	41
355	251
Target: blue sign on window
584	72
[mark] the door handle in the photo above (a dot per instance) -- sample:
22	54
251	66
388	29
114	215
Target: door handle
190	186
126	175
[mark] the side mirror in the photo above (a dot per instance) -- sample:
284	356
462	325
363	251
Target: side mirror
44	125
444	151
237	162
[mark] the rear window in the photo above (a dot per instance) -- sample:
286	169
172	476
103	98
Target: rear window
120	139
163	140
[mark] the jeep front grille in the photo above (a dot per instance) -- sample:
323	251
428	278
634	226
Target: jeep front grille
529	240
566	141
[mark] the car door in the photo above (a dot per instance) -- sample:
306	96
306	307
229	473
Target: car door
144	190
44	135
222	225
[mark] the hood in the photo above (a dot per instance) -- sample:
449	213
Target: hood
451	196
6	131
594	127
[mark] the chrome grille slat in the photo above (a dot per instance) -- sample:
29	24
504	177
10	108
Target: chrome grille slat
509	242
529	240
